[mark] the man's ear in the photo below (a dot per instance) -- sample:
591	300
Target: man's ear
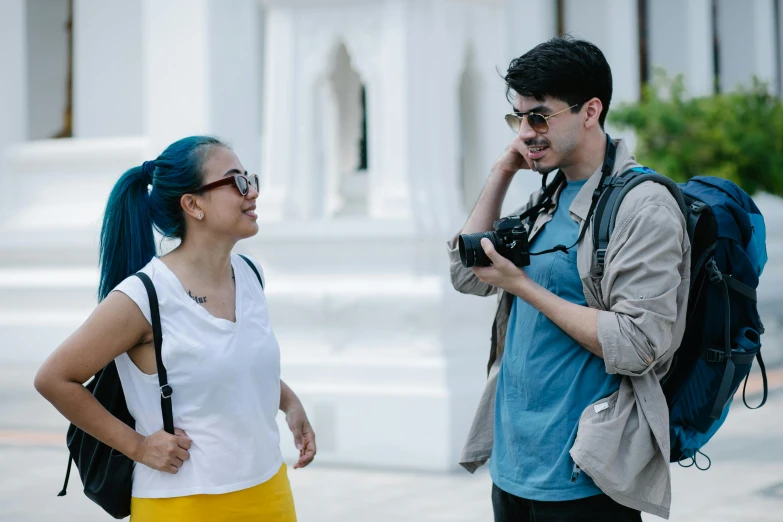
191	205
592	110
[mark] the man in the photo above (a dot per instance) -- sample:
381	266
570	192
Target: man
573	413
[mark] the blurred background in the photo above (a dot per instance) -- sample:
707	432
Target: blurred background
373	125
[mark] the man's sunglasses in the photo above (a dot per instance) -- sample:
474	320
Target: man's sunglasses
537	122
241	181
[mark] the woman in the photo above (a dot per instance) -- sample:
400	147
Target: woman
221	356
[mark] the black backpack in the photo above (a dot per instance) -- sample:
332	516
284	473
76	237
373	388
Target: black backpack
105	472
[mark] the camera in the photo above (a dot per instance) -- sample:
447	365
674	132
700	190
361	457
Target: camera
509	239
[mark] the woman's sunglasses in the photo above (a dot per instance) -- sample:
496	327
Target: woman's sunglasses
537	122
240	181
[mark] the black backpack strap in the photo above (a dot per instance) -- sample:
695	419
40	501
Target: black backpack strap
545	201
70	460
614	190
744	387
165	388
253	266
606	172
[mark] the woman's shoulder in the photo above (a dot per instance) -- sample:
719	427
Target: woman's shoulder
134	287
251	265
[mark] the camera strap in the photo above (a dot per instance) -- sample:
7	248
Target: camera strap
546	198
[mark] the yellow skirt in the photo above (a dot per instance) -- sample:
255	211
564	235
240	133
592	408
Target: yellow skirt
269	501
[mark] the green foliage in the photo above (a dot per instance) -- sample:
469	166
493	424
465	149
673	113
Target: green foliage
736	135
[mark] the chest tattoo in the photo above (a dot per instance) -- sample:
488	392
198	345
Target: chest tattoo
199	300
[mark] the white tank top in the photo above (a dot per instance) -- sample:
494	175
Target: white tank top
226	382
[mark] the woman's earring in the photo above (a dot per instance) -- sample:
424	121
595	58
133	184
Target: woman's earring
200	216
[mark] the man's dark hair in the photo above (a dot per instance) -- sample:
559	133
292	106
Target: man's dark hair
564	68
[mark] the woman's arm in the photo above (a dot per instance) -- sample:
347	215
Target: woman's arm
116	326
295	416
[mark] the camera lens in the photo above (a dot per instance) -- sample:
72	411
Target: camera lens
470	251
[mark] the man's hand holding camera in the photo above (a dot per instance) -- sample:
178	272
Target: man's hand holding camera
502	272
580	322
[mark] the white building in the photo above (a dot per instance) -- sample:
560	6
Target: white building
373	125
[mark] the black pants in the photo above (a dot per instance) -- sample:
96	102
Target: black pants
599	508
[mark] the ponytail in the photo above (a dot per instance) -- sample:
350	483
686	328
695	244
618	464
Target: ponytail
127	241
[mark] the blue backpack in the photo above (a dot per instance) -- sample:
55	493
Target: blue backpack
723	328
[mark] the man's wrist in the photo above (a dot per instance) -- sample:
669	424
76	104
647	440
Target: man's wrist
502	173
522	287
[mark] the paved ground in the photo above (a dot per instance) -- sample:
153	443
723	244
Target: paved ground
744	483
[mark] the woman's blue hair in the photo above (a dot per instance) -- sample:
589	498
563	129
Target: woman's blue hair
127	241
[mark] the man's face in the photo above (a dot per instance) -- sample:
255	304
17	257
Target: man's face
554	148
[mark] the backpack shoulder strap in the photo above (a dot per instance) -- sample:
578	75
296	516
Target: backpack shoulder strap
613	191
253	266
165	389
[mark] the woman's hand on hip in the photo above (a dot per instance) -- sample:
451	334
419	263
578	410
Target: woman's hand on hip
165	452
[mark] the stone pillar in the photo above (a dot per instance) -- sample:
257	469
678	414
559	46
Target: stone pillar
279	149
202	61
746	35
530	22
176	70
235	61
691	55
612	25
13	89
108	80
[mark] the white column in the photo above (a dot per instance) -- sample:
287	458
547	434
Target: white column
746	34
279	102
13	90
764	41
108	81
622	52
700	77
530	22
612	25
432	71
176	70
236	46
389	195
691	56
13	87
202	65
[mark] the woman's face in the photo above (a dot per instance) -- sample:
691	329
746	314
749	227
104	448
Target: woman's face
226	211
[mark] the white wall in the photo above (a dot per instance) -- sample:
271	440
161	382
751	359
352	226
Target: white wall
13	63
529	23
176	70
691	52
47	66
746	39
13	91
612	25
234	33
108	73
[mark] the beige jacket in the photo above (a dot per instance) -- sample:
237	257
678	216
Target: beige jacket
642	300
